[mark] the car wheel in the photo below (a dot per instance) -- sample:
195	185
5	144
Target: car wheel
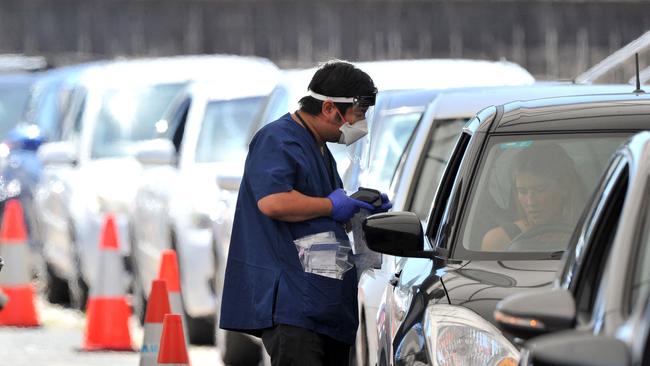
56	289
138	297
77	285
200	330
237	349
361	346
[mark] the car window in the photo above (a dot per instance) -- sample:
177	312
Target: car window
224	130
13	100
640	284
127	115
436	154
390	133
602	229
531	191
176	129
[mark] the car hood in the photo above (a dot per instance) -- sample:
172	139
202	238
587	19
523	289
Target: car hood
480	285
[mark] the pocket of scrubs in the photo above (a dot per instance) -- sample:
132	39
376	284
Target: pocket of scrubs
324	255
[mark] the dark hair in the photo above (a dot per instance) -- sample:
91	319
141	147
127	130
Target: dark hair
552	161
336	78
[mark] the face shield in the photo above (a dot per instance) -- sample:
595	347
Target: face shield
350	152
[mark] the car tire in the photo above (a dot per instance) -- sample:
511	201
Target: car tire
237	349
56	289
361	346
77	285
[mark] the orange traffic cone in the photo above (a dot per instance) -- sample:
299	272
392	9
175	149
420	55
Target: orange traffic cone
169	272
172	342
107	311
15	277
157	308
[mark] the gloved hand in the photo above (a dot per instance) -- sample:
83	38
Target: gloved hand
344	207
386	204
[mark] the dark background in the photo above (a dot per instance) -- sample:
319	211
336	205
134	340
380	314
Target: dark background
552	39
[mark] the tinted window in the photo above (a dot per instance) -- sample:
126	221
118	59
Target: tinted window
640	286
438	150
128	115
224	131
530	192
603	229
13	99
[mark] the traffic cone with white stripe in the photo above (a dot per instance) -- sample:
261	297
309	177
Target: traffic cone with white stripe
172	343
15	278
169	272
157	308
108	312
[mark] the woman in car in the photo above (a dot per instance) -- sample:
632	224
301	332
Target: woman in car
548	197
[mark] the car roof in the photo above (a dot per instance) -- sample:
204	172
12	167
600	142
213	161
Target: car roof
444	73
465	103
630	111
177	69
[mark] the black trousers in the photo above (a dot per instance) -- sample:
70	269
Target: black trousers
293	346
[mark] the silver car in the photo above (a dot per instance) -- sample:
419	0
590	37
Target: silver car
91	171
206	130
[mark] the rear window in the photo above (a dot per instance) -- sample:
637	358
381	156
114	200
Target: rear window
531	191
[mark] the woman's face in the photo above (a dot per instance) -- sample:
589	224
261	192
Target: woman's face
541	198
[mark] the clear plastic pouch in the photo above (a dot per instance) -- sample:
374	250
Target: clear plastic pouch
323	254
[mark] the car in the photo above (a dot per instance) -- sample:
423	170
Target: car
601	294
422	158
469	261
204	134
90	172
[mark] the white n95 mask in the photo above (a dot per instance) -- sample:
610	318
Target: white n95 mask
351	133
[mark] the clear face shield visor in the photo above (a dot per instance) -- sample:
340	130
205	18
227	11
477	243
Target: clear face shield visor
352	151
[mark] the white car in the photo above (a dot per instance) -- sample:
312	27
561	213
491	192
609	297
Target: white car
91	172
207	127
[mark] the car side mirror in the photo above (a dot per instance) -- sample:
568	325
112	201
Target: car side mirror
156	152
395	233
530	314
576	349
57	153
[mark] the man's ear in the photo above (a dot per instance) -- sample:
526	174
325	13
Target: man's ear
328	107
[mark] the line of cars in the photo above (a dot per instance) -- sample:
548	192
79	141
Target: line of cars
499	203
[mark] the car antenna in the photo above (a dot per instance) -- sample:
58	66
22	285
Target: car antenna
638	78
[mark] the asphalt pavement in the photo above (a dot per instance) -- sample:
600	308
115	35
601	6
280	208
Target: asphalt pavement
57	343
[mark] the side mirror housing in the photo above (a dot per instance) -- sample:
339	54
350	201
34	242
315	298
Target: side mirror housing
577	349
395	233
156	152
61	152
530	314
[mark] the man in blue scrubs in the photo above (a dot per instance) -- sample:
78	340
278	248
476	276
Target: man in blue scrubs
291	189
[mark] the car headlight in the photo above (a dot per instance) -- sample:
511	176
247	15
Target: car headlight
458	336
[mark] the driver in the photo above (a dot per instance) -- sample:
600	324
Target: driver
548	195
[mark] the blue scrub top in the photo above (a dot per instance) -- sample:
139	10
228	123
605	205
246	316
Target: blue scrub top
264	282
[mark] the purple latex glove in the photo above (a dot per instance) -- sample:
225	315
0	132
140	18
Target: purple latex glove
344	207
386	204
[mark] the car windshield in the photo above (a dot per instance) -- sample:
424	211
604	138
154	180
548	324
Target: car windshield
224	131
531	192
12	105
128	115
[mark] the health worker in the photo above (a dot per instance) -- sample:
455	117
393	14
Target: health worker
291	189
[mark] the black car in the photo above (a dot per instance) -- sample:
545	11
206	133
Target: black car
509	200
601	292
